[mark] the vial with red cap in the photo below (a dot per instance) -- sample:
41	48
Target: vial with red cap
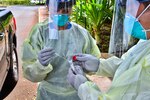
74	58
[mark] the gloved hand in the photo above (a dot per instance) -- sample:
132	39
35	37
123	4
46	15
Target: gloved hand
88	62
75	79
77	70
45	56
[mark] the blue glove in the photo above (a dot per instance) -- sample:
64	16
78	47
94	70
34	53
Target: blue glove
87	61
76	78
45	56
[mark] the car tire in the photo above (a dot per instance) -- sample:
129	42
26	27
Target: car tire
13	73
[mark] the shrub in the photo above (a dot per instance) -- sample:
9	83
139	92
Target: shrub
94	15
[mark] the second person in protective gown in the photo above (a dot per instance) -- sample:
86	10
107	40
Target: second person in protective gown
131	72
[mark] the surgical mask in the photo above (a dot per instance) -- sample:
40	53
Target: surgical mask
60	19
133	27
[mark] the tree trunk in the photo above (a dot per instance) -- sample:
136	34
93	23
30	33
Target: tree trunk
98	39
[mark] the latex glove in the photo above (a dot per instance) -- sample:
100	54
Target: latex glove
75	79
45	56
88	62
77	70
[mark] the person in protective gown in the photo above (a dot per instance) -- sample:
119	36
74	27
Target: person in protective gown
47	50
131	72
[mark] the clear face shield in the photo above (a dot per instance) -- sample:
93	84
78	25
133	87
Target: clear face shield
130	29
59	11
135	20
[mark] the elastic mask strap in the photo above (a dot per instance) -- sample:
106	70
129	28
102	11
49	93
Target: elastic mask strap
143	12
146	30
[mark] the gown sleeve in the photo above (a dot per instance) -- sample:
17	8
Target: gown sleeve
32	69
108	66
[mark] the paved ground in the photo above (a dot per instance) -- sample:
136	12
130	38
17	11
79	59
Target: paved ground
26	17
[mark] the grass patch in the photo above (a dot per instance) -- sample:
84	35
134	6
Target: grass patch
19	2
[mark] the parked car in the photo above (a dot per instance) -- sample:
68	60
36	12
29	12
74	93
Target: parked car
8	54
41	2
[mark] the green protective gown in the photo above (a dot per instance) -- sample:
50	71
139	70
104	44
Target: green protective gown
131	76
53	78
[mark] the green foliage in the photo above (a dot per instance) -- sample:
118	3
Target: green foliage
15	2
93	14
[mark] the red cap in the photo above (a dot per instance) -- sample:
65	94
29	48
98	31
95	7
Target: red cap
74	58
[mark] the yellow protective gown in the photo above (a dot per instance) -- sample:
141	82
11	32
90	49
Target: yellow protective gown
53	78
131	76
